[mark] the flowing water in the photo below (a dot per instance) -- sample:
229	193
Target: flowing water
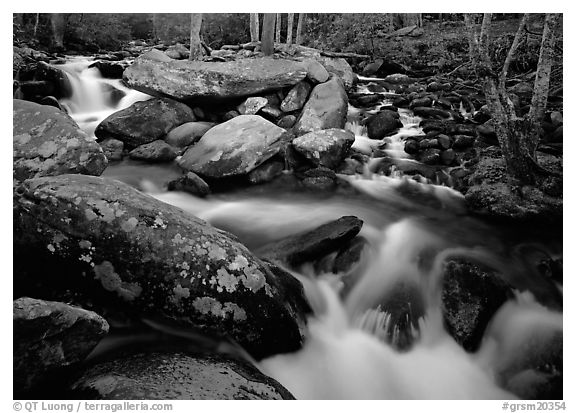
411	229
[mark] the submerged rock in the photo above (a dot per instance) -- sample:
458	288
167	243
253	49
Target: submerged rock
107	240
313	244
383	124
234	147
176	376
49	336
184	80
326	147
47	142
113	149
326	108
190	183
144	122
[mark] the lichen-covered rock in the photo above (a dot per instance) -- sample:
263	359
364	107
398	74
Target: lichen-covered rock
327	107
184	80
296	97
176	376
252	105
156	151
118	245
340	68
471	295
313	244
325	147
144	122
188	133
234	147
49	336
46	142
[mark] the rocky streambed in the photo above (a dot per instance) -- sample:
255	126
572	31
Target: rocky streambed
245	134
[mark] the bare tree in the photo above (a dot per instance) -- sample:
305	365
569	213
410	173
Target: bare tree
58	21
196	49
300	27
254	27
278	26
268	33
290	28
518	136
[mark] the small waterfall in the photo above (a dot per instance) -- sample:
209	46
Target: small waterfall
95	98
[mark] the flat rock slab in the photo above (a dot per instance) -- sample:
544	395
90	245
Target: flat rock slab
176	376
194	80
107	240
48	336
234	147
313	244
47	142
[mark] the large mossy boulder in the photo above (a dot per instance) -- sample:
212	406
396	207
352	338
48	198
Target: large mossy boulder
144	122
186	80
46	142
235	147
176	376
49	336
105	239
327	108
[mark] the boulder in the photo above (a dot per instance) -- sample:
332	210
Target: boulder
340	68
296	97
176	376
110	70
234	147
252	105
49	336
431	112
429	156
287	121
156	151
266	172
383	124
185	80
56	76
112	148
319	179
46	142
107	240
326	147
313	244
190	183
316	72
188	133
398	79
326	108
144	122
471	295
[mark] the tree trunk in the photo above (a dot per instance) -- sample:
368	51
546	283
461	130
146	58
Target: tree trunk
290	28
542	81
195	42
300	27
58	21
278	26
254	27
268	34
36	24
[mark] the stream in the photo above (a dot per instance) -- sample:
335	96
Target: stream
412	228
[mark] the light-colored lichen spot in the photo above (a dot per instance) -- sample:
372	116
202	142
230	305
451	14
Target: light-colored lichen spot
62	151
85	257
216	252
72	143
198	250
51	248
177	240
22	139
181	292
226	280
239	263
107	213
84	157
159	223
77	201
129	224
111	281
268	290
253	279
85	244
208	305
90	215
47	149
58	238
